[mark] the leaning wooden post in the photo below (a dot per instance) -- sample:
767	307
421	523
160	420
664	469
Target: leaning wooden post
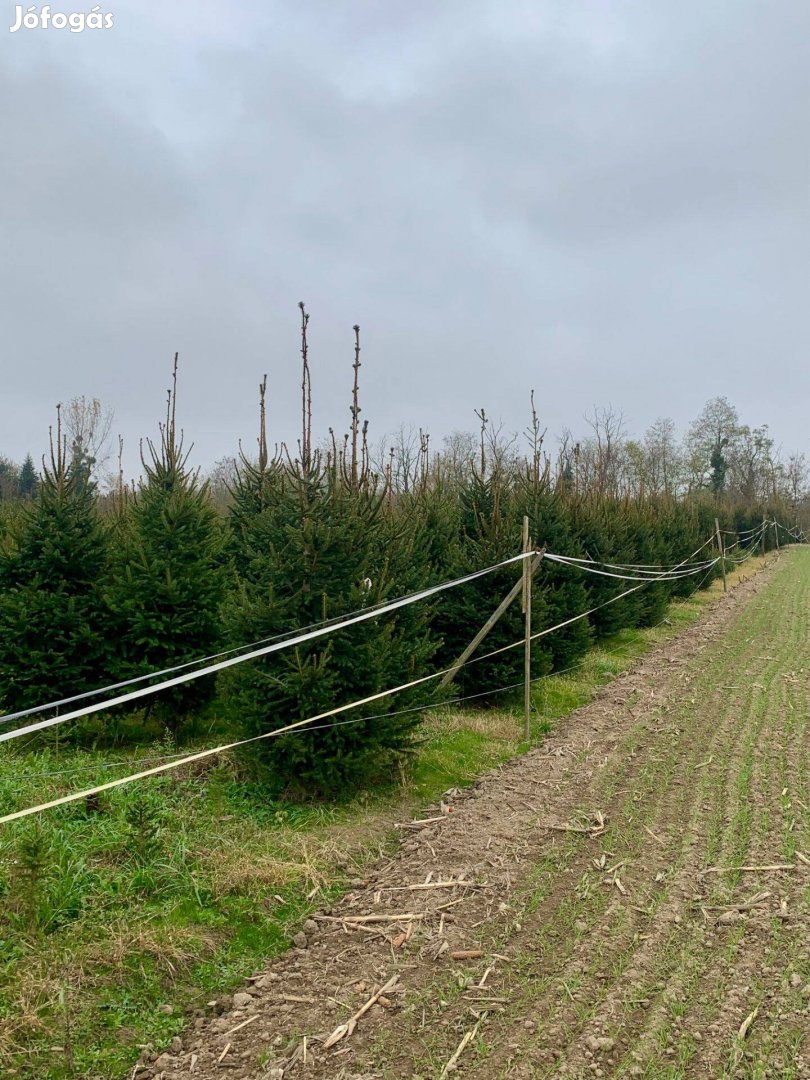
721	548
517	590
527	645
776	532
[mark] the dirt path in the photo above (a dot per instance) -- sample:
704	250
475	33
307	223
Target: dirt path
591	938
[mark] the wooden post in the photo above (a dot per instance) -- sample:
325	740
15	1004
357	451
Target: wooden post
762	545
527	646
776	532
518	587
722	549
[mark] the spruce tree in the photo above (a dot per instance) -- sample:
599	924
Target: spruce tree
652	547
489	532
313	540
563	589
54	625
680	529
169	577
328	560
258	487
28	480
604	535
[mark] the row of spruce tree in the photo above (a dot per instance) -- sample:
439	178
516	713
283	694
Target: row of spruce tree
159	576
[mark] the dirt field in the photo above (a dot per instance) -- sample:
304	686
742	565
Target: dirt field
630	899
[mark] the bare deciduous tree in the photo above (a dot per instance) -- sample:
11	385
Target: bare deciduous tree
87	425
606	450
797	483
709	435
664	461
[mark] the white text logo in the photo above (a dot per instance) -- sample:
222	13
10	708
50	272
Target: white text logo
43	18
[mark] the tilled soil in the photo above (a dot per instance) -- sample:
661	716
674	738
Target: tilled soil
564	916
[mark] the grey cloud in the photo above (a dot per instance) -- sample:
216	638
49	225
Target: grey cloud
610	204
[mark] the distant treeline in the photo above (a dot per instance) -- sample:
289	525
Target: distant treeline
99	589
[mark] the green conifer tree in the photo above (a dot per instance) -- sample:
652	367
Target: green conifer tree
490	524
651	547
313	541
604	535
169	577
28	480
54	625
562	588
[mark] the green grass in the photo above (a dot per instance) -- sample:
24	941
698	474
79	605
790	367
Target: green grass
117	920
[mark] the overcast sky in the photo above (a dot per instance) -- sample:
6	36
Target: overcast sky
606	201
